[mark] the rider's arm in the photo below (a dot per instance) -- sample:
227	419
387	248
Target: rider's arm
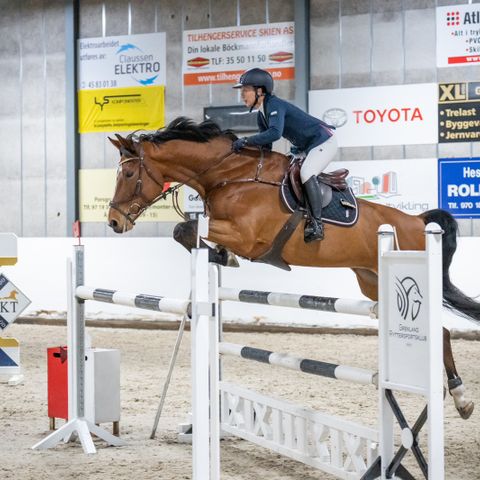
276	122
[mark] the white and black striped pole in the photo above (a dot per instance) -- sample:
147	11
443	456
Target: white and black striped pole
306	365
310	302
140	300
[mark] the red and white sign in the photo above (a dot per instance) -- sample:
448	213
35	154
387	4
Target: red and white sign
392	115
391	182
458	35
221	55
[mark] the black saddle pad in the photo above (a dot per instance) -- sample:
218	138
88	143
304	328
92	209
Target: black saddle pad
342	210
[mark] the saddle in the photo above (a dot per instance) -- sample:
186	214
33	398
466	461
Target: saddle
338	202
336	180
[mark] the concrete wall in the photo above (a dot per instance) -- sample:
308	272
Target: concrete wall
32	117
354	43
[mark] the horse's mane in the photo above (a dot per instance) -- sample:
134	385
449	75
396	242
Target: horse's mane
183	128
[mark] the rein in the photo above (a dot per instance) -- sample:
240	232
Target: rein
255	179
131	216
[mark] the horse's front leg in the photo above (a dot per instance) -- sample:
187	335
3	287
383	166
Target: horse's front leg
455	384
185	234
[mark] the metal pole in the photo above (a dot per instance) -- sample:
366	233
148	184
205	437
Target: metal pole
302	53
71	112
173	360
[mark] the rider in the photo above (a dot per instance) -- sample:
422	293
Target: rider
277	118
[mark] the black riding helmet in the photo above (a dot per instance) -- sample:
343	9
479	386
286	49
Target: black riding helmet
256	77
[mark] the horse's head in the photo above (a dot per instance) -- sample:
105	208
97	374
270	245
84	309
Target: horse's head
137	186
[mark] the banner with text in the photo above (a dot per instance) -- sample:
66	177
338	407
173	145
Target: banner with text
390	115
458	35
459	186
221	55
459	112
391	182
121	82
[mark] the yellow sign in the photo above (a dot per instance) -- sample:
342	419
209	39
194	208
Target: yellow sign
9	342
121	109
96	192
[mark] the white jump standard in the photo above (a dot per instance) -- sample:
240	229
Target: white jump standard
335	445
77	295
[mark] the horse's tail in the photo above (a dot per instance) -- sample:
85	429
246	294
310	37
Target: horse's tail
453	298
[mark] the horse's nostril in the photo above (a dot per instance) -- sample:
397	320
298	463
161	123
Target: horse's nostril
113	223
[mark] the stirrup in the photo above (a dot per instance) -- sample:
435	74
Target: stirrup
313	231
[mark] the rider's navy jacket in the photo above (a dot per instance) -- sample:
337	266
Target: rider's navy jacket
286	120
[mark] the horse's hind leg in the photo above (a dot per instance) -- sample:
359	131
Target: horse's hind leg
368	282
185	233
455	384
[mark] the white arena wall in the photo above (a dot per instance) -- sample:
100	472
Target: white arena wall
160	266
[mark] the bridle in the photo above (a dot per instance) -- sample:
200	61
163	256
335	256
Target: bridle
130	215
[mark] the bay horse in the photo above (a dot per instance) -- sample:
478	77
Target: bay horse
246	213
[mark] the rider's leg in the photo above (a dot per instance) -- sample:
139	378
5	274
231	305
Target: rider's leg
317	160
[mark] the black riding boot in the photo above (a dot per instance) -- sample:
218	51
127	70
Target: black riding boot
314	227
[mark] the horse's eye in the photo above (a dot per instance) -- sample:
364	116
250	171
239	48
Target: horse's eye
129	174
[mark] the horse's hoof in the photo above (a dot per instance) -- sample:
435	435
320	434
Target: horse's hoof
466	411
232	260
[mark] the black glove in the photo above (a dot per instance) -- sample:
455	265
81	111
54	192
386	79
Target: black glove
238	144
295	150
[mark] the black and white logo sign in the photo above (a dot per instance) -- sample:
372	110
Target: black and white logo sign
409	298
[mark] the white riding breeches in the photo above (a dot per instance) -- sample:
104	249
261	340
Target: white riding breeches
318	158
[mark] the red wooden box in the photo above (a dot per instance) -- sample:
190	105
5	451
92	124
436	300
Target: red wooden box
57	374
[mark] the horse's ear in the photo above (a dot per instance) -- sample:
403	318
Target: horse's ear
120	139
115	143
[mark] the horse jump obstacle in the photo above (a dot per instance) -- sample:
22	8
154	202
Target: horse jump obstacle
78	293
334	445
292	421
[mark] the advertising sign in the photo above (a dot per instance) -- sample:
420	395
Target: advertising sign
458	35
221	55
12	302
192	202
390	115
96	190
121	83
459	112
391	182
459	186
